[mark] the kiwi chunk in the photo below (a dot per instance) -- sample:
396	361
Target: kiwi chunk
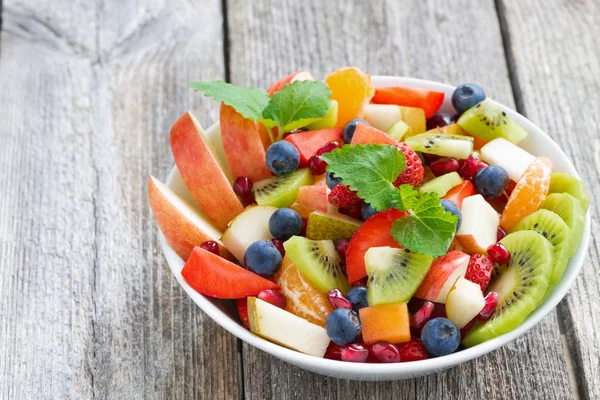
394	274
442	184
552	227
521	285
569	209
322	226
318	262
488	122
281	191
565	183
442	144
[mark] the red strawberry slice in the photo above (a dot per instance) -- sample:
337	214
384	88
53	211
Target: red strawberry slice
342	196
374	232
242	307
308	143
479	270
412	351
460	192
413	171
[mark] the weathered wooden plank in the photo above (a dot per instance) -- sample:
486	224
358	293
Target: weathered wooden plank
558	71
89	306
420	39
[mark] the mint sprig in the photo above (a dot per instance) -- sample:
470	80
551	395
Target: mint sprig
249	102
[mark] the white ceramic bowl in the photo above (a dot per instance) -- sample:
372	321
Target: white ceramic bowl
538	143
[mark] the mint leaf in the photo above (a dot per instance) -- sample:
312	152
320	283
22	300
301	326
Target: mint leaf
409	196
370	170
427	229
247	101
298	104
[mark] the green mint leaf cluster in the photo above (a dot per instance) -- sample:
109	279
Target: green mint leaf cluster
249	102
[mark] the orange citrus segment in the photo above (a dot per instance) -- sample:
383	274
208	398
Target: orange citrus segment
352	89
529	193
303	299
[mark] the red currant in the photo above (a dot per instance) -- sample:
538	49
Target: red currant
317	165
498	253
211	246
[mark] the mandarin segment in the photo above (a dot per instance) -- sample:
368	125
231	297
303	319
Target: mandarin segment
530	192
352	89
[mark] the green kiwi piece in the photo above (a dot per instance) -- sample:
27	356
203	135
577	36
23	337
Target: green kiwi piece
521	285
318	262
442	184
442	144
488	122
565	183
552	227
281	191
569	209
394	274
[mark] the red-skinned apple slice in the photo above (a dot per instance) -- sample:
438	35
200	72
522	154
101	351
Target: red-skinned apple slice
202	173
243	146
182	226
366	134
296	76
441	276
214	276
464	301
479	225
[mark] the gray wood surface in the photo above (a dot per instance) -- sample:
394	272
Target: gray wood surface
88	92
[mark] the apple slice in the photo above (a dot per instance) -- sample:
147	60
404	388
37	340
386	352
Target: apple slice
441	276
464	301
507	155
248	227
243	146
296	76
286	329
182	226
202	173
382	116
479	225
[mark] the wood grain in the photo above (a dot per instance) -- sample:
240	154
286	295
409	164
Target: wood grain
421	39
558	70
88	305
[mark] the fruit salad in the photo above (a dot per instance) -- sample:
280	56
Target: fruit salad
360	224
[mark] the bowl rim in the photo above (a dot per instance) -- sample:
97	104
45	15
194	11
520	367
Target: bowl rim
415	368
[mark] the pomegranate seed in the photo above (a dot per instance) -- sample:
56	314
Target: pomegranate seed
317	165
328	148
385	352
274	297
509	189
361	282
333	352
304	225
500	234
444	166
337	299
468	168
498	253
279	244
430	158
341	246
423	315
355	352
465	329
211	246
491	302
243	188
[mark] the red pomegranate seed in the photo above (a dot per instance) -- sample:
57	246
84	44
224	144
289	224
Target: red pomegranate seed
500	234
355	352
333	352
510	187
328	148
465	329
279	244
304	225
274	297
385	352
491	302
444	166
243	188
337	299
341	246
423	315
361	282
468	167
498	253
317	165
430	158
211	246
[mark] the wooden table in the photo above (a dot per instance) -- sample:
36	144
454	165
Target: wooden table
88	92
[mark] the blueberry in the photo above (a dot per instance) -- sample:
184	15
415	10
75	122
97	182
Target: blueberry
343	326
282	158
262	258
451	207
491	181
440	120
440	336
467	96
349	129
358	297
367	211
332	181
285	223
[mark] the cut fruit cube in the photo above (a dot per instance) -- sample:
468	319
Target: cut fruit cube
323	226
460	192
428	100
296	76
415	118
565	183
386	322
507	155
328	121
366	134
352	89
281	191
214	276
286	329
399	130
308	143
464	301
479	225
488	122
382	116
442	275
313	197
455	146
442	184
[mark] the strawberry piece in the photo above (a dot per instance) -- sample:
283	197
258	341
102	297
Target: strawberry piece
374	232
479	270
353	210
342	196
242	307
491	302
413	171
460	192
412	351
430	101
309	143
